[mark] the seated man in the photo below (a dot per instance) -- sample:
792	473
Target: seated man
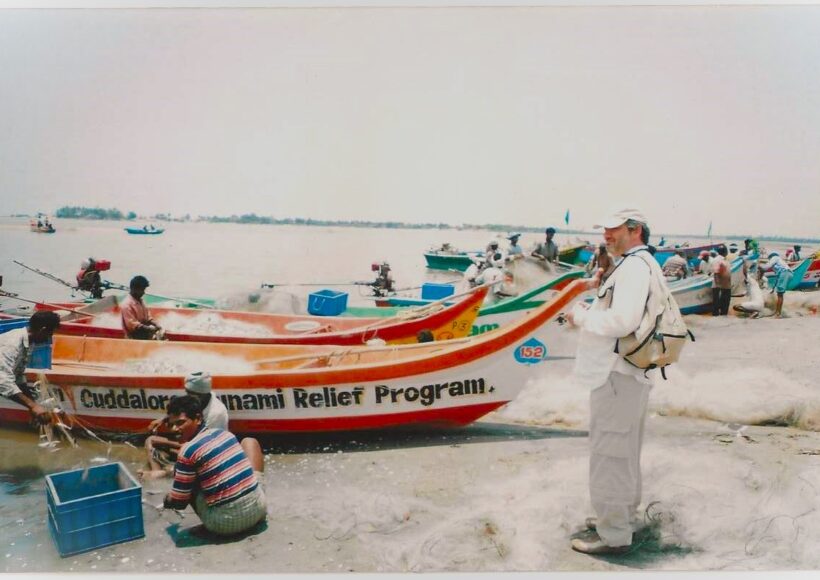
495	277
162	446
676	267
218	476
136	320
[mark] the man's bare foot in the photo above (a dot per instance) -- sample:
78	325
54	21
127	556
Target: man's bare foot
148	474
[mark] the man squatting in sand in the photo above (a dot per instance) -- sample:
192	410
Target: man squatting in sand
219	477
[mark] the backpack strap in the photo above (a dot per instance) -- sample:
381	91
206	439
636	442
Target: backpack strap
612	287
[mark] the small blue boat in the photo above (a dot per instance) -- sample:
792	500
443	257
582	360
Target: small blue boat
145	231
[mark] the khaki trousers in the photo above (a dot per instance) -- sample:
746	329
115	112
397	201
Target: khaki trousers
617	417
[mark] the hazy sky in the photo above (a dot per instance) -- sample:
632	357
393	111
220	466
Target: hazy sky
477	115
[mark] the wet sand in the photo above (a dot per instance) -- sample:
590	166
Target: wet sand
731	469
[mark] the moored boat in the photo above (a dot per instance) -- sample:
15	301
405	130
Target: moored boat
491	316
690	253
300	388
811	279
576	253
451	259
102	319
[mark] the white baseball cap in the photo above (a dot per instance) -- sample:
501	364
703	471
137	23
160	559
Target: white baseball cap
198	382
619	217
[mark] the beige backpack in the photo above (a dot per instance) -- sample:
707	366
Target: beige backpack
662	333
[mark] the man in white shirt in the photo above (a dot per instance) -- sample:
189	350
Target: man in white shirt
494	275
162	448
619	391
15	346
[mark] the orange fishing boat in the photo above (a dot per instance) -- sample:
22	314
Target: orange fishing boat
102	319
105	385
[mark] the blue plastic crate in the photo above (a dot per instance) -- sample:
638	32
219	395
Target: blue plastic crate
327	303
12	323
39	356
432	291
93	508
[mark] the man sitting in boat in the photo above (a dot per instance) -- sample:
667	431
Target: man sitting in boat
514	252
383	285
491	250
704	267
675	267
88	278
494	275
15	346
136	320
219	477
793	253
162	446
547	252
473	270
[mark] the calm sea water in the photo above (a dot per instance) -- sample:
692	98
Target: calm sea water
213	260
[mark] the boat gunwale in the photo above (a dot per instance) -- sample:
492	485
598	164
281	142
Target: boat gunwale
465	351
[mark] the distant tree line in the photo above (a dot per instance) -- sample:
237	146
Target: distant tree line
93	213
251	218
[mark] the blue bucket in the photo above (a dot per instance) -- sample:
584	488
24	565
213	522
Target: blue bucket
39	356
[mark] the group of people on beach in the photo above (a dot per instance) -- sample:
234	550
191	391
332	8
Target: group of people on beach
489	268
221	477
215	473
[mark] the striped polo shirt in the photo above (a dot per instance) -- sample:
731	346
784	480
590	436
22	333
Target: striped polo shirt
213	463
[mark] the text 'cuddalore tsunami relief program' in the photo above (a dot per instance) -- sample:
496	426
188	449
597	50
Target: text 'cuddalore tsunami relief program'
296	398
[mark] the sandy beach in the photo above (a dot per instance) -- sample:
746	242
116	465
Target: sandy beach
731	480
276	150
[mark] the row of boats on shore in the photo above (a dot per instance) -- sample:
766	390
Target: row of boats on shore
363	369
316	379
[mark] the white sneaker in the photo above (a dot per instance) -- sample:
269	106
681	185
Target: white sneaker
595	545
592	524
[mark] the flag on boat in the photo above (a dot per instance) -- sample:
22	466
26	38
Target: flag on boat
566	218
709	231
